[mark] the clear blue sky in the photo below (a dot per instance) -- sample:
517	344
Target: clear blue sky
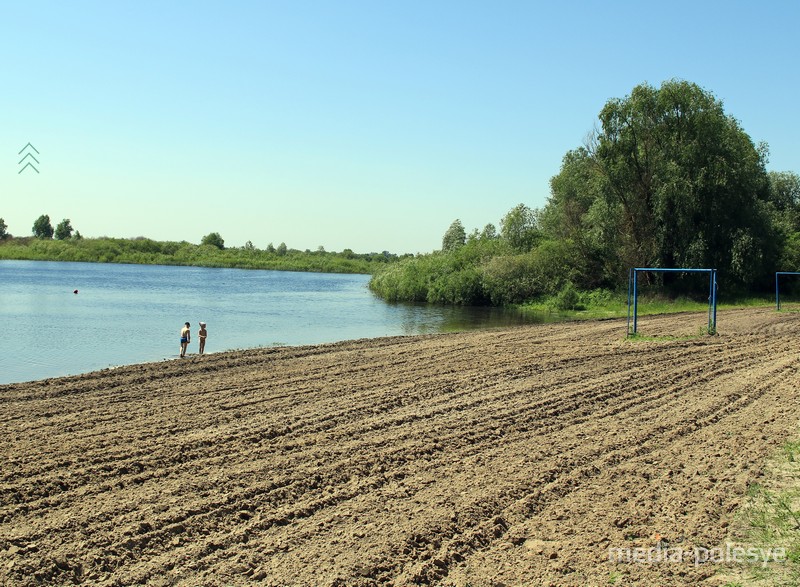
363	124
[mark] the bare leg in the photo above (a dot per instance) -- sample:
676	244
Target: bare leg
202	345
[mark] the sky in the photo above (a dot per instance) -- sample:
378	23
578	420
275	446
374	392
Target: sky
369	125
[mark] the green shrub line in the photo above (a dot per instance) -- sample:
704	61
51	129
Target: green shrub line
144	251
488	271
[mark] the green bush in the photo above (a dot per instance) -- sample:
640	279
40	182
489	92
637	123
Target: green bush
511	279
568	299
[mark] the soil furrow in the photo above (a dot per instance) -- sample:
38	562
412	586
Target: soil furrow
514	456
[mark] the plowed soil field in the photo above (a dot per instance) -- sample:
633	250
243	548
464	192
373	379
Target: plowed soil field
504	457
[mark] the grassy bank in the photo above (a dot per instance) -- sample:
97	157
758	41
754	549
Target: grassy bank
769	520
600	304
144	251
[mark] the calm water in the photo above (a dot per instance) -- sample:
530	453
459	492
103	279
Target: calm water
125	314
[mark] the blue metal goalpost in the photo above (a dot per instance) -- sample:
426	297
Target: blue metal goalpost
777	291
633	294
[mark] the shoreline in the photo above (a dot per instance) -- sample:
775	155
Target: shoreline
233	352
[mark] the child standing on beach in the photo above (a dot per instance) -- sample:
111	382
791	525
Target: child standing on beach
201	335
185	338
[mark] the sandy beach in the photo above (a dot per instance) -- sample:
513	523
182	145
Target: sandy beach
508	457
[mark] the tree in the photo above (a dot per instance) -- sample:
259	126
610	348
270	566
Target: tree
784	188
784	197
3	230
63	230
455	237
270	248
281	250
518	228
689	181
489	232
669	180
42	227
579	213
214	239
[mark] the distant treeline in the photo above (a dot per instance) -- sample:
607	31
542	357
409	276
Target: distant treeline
668	180
146	251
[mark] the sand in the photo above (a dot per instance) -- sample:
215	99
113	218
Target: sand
498	458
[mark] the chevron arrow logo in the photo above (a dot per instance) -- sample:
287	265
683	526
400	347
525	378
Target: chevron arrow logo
28	150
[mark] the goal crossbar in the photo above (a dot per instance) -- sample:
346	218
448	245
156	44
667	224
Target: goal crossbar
633	293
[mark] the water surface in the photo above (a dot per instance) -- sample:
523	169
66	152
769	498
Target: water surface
125	314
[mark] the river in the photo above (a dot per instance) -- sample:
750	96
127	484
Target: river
125	314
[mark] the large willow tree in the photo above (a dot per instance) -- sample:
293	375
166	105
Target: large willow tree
668	180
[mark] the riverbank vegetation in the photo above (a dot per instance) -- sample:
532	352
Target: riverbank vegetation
211	254
667	180
602	304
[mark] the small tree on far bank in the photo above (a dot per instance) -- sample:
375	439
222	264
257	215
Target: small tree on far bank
489	232
518	228
42	227
214	239
455	237
63	230
3	230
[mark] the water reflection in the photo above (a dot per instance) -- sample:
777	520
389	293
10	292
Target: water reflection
421	318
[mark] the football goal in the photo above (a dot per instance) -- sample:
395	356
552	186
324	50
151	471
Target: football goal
633	294
777	284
